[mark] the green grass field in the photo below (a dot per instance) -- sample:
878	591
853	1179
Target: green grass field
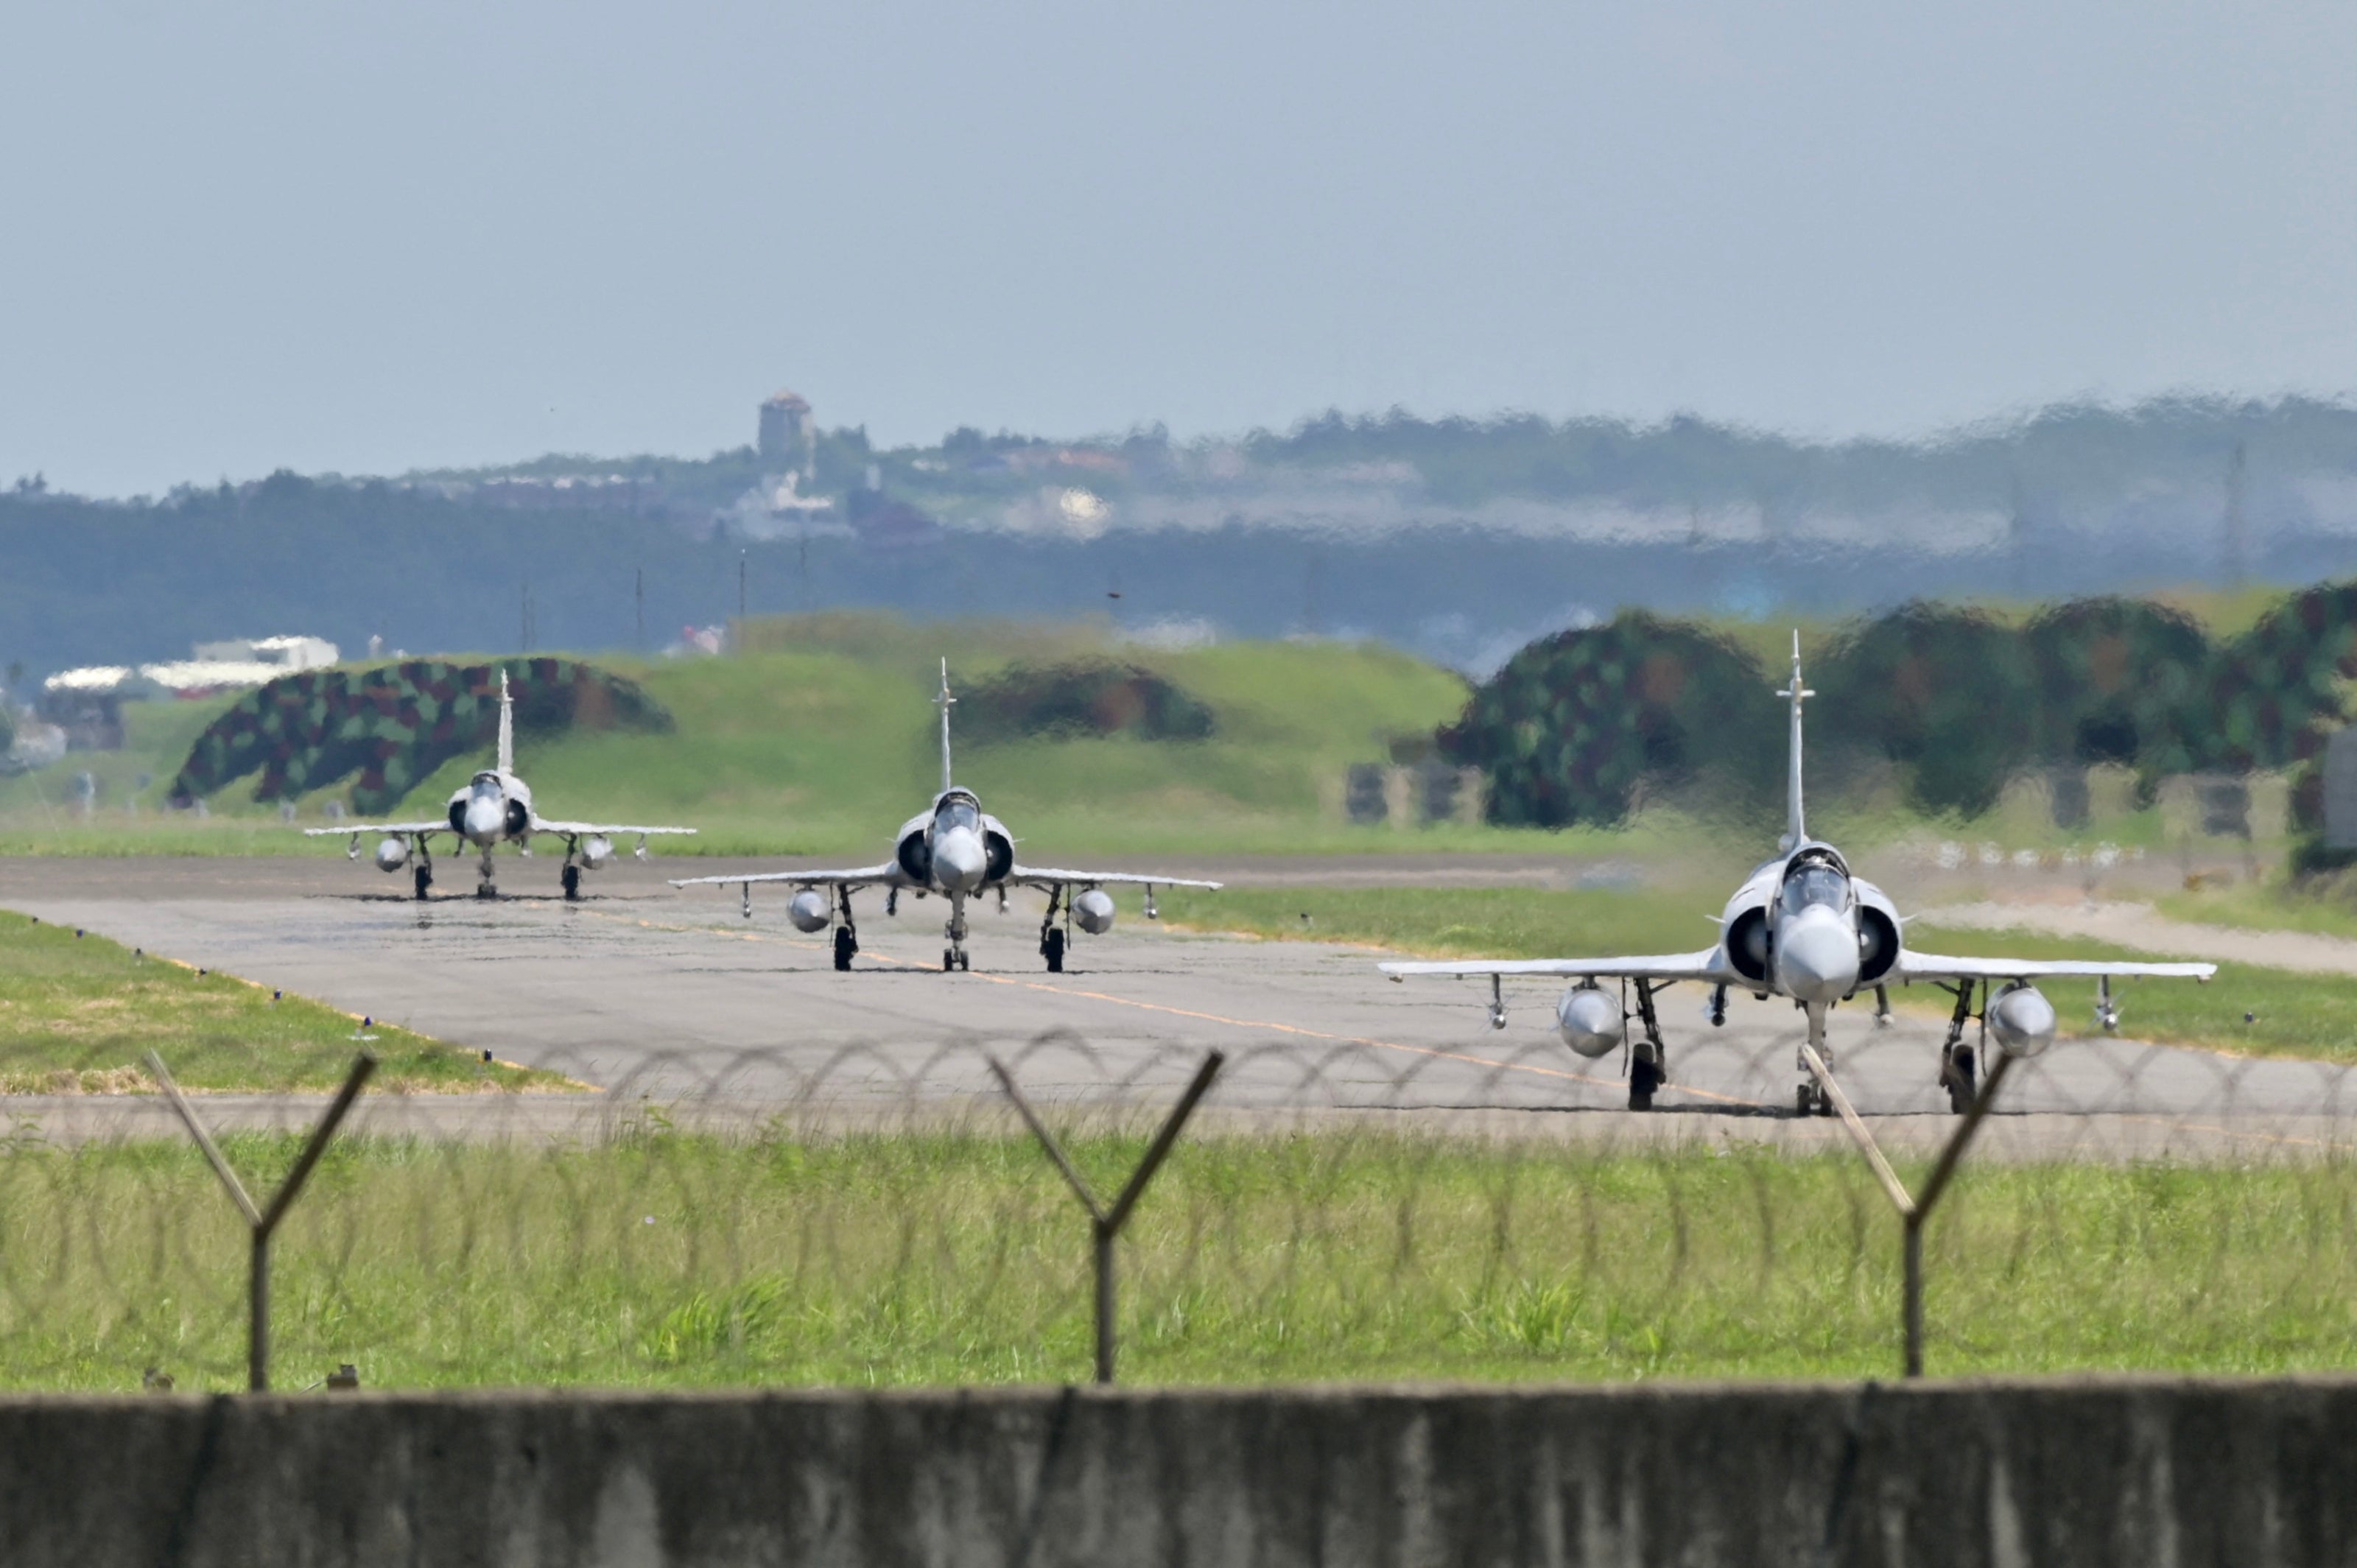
2307	1015
80	1014
827	751
667	1260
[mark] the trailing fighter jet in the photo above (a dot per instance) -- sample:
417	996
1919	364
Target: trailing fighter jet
494	808
1802	927
956	850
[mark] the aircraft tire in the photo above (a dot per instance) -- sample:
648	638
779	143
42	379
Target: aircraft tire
421	879
1053	948
1643	1079
1959	1080
948	961
572	882
846	944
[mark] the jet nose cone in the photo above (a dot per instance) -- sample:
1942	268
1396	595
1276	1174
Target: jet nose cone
958	860
485	817
1816	956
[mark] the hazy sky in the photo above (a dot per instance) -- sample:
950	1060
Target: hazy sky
324	235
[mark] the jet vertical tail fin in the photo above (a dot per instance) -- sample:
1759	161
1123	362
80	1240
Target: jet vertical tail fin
943	701
507	727
1796	832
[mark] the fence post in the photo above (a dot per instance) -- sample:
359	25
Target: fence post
1106	1224
1913	1211
261	1224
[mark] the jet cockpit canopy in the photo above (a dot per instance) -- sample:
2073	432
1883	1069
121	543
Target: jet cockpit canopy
1816	878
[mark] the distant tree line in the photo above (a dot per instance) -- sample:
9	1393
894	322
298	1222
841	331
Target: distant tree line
1577	725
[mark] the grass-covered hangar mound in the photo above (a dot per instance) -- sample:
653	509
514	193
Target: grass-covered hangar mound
393	726
1958	700
1079	698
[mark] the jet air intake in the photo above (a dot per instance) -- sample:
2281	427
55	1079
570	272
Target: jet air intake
916	859
1093	910
1590	1021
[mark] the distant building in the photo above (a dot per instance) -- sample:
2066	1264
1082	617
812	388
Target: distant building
284	653
87	704
776	509
789	438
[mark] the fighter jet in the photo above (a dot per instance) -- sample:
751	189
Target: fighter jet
494	808
1801	927
954	849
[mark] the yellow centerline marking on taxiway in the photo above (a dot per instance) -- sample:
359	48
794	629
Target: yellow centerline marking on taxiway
1274	1028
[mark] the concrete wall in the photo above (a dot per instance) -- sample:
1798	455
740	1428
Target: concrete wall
2146	1473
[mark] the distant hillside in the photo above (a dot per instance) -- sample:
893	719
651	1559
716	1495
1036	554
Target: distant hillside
823	739
1457	539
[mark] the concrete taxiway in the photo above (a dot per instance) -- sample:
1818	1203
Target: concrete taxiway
650	994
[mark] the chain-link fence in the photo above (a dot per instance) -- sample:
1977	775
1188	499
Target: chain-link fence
884	1214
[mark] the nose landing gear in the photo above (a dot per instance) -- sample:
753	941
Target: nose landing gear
1810	1099
487	887
953	957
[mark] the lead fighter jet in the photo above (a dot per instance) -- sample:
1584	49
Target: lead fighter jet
494	808
956	850
1802	927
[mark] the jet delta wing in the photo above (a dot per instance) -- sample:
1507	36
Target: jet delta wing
863	876
586	830
1914	966
358	828
1046	880
494	808
1704	965
958	852
1803	929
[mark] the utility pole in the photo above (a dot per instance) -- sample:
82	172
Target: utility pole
2237	558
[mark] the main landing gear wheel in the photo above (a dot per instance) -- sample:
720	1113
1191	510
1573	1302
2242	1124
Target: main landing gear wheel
421	877
1958	1078
1644	1078
1811	1100
1052	948
572	882
965	960
846	944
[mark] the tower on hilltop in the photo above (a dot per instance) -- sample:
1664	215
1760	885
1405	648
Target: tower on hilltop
789	438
